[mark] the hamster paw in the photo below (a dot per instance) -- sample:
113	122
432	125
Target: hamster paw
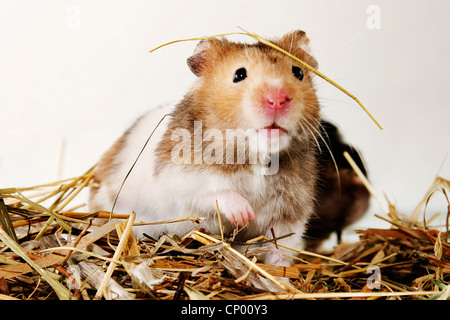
277	259
235	207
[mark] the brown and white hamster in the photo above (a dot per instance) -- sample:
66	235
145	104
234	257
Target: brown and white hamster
243	135
342	199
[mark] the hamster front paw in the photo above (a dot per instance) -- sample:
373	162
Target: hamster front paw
235	207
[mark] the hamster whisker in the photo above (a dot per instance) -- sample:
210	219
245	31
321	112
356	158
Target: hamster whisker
314	137
327	146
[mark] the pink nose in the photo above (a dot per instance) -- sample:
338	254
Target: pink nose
276	99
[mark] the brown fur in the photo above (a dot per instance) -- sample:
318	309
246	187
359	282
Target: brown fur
103	171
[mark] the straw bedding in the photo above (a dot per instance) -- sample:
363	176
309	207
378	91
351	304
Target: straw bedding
51	251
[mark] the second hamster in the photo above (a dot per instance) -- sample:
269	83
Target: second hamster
342	199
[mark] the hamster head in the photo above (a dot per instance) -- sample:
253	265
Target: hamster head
257	88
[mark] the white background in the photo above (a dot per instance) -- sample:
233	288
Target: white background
80	72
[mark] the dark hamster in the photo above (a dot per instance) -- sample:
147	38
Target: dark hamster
341	199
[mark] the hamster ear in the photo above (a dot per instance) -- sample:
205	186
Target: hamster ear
197	61
297	43
206	51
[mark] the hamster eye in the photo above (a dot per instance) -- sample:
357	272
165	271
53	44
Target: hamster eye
239	75
297	72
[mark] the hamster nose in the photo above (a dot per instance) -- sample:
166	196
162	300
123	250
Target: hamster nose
276	98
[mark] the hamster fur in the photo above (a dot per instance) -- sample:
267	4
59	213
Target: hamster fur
240	87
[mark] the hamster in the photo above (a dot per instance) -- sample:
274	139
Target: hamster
243	135
342	199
